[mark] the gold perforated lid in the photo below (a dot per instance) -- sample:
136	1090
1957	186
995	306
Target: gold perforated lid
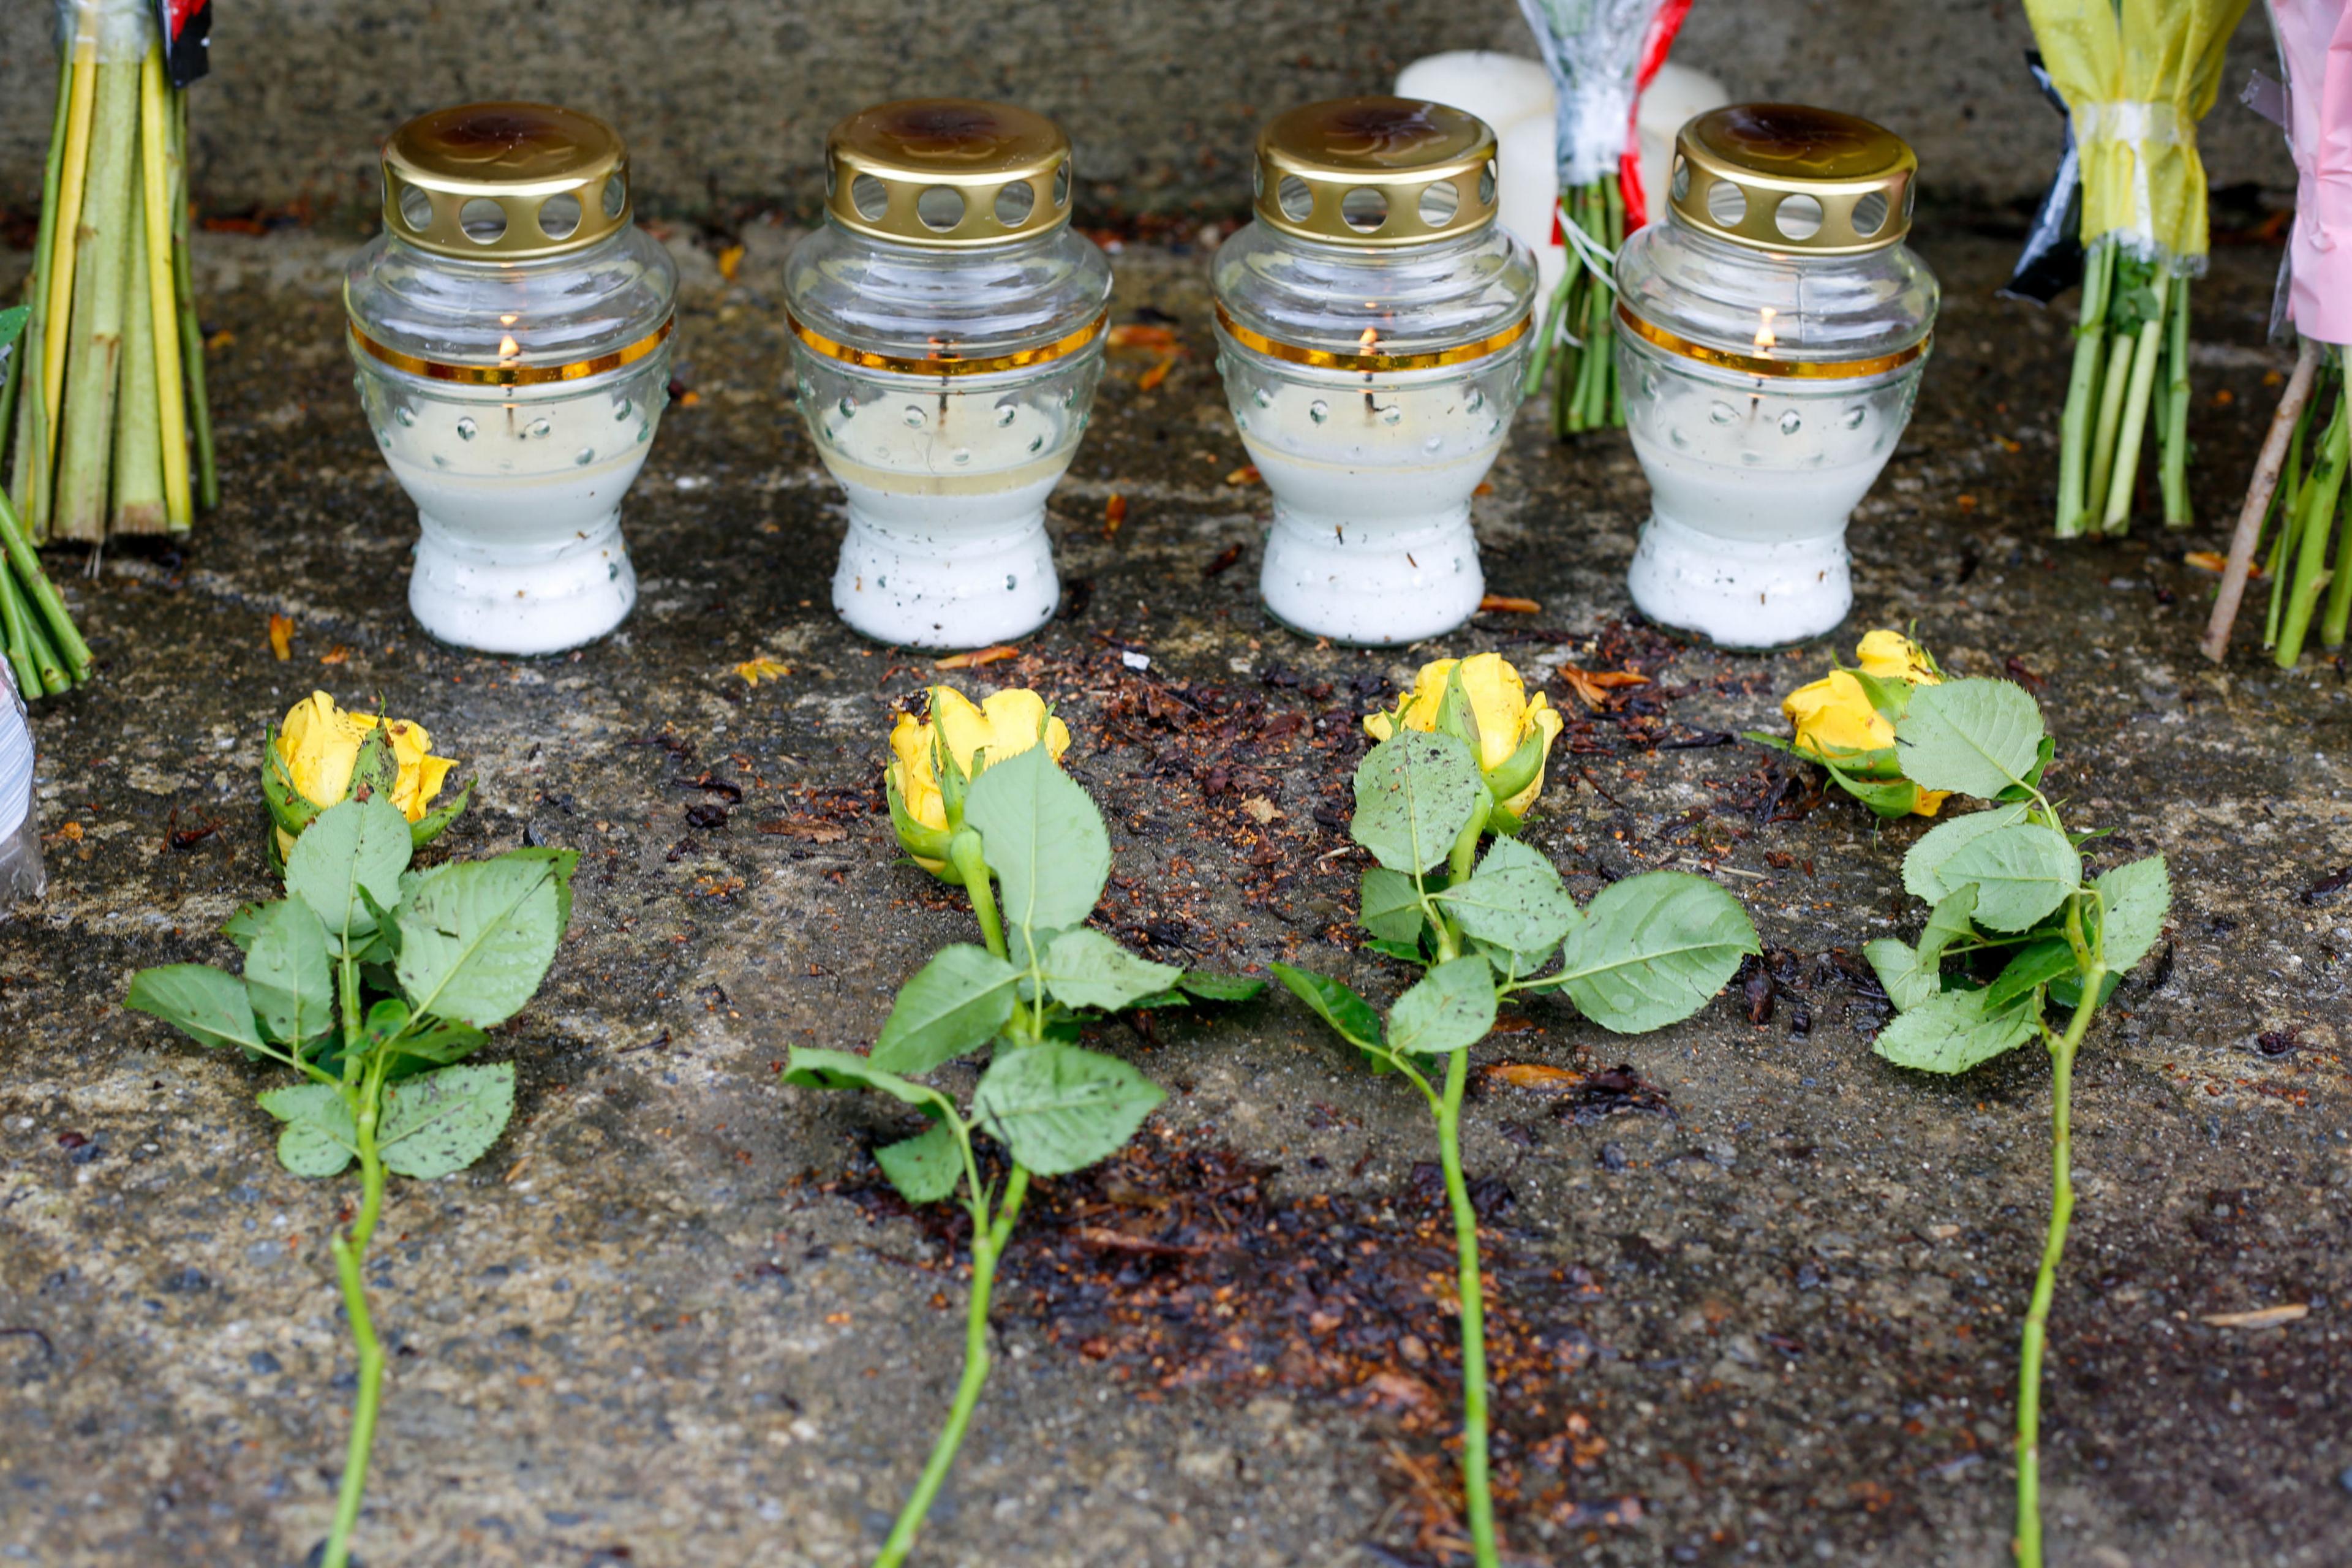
1376	171
947	172
505	182
1783	176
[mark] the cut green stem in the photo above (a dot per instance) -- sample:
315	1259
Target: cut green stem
350	1249
1478	1496
2028	1541
2082	392
2318	505
192	332
988	1240
138	497
2173	441
44	595
102	248
2146	348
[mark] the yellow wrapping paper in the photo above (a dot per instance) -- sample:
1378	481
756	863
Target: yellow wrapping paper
2137	75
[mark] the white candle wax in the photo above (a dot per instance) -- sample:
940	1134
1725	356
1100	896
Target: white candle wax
1371	540
1751	493
946	544
518	500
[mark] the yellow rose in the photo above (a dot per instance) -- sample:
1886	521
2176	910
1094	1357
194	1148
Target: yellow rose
1002	725
318	745
1891	656
1834	715
1836	722
1505	717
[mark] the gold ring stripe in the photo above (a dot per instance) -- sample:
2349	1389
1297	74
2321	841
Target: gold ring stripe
1760	364
946	362
1325	359
514	375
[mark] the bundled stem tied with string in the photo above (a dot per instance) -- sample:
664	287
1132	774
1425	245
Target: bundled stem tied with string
1602	55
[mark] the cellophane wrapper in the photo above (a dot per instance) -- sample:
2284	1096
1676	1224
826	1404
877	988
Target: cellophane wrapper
2314	39
1594	49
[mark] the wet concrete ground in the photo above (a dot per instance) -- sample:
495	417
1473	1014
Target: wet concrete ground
1756	1293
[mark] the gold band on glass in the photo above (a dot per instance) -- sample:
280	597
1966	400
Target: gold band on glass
1757	364
1325	359
947	362
513	374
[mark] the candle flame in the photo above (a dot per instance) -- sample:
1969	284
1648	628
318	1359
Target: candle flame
1371	341
507	348
508	321
1765	337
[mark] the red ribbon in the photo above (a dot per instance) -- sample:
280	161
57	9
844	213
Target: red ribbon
1664	23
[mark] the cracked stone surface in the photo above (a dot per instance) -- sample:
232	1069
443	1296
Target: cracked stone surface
1762	1295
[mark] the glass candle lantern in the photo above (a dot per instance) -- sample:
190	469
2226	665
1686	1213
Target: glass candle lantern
511	327
1774	328
1372	327
947	332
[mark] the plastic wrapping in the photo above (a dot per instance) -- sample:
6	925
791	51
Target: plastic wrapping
2052	261
1600	54
22	875
119	31
2314	39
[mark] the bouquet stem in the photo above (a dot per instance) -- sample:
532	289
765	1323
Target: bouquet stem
1578	325
2134	328
78	107
2115	386
2313	529
112	395
2146	344
2263	497
95	352
52	625
192	332
138	449
2081	391
30	481
157	159
2173	444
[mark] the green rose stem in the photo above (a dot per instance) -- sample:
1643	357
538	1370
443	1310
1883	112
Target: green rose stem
1478	1496
988	1239
2053	1246
366	1100
964	853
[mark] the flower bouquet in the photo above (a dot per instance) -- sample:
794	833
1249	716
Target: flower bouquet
1601	53
100	411
2137	77
2299	478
